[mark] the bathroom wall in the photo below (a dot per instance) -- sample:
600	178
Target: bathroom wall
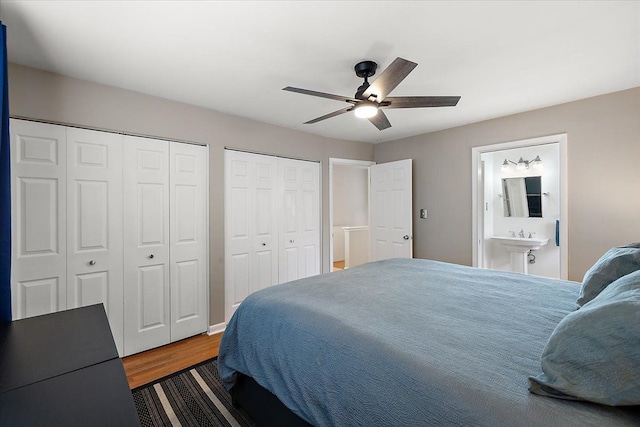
547	258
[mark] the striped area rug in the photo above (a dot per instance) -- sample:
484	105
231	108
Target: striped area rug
193	397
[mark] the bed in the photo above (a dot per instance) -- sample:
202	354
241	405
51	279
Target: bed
404	342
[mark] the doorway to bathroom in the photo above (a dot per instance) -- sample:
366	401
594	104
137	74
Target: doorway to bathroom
519	193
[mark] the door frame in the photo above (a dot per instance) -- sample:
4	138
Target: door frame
345	162
477	198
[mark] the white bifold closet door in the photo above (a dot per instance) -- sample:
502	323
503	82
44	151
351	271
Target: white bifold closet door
188	239
94	224
251	225
272	223
102	218
67	221
299	220
39	226
147	315
165	242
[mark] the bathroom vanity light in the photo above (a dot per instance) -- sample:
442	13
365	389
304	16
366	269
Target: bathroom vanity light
522	164
505	164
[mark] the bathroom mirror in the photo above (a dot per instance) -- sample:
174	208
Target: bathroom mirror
522	197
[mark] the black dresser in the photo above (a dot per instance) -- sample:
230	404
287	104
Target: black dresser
63	369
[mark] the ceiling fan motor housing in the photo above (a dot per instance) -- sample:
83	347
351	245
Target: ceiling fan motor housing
364	69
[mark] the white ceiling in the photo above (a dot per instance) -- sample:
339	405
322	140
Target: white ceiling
235	57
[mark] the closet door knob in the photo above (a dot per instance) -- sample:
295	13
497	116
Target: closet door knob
405	237
264	244
92	262
291	241
151	256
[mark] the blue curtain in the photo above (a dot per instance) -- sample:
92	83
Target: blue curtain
5	188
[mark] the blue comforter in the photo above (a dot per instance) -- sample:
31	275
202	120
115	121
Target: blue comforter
408	342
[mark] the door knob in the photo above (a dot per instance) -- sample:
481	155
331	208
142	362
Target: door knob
151	256
291	241
405	237
92	262
264	244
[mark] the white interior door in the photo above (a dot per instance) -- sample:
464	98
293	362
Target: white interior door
391	224
299	219
188	237
147	316
251	228
38	197
94	224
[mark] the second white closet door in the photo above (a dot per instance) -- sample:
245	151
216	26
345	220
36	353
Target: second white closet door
272	223
147	315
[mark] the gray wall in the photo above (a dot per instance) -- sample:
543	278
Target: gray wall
603	154
46	96
603	179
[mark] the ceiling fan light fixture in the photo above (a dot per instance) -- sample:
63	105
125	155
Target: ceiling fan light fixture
371	97
366	110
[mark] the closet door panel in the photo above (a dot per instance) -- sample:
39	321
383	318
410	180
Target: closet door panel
251	237
310	218
188	233
289	263
147	317
38	197
94	224
152	310
238	274
311	256
289	220
300	219
36	297
89	289
238	239
263	226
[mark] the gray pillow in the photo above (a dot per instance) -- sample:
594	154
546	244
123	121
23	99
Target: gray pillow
594	353
617	262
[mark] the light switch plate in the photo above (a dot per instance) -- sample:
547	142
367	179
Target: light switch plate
423	213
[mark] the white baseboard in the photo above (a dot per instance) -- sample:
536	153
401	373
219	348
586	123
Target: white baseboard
217	328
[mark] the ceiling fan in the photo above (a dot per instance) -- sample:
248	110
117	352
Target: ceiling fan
370	99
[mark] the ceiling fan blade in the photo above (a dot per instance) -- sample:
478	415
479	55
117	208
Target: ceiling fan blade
420	101
380	120
389	79
328	116
320	94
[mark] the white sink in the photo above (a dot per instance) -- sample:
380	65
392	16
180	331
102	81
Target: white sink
518	248
519	244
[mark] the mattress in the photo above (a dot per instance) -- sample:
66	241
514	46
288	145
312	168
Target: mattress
408	342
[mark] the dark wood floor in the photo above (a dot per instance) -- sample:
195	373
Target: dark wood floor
148	366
